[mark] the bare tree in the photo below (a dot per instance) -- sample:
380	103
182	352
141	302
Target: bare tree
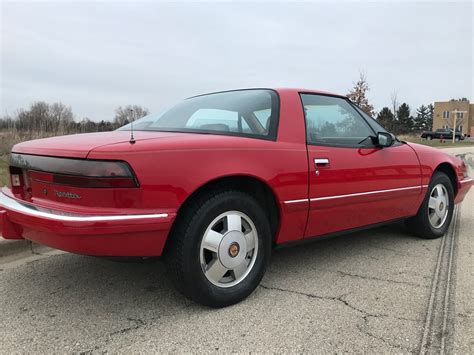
129	113
394	99
358	95
61	117
34	119
54	118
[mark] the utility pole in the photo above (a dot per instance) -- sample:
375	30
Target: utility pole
455	116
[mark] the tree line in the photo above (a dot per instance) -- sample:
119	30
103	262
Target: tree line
57	118
399	118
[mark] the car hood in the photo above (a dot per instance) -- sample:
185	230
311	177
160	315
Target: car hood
420	148
433	157
80	145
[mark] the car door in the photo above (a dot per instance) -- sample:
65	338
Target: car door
353	182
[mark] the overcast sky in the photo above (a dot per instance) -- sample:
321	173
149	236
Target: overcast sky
96	56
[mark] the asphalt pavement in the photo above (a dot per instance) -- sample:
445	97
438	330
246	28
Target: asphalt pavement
376	291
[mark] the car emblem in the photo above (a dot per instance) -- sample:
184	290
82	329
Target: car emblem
234	249
63	194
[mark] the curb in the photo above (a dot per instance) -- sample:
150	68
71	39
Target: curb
10	247
14	246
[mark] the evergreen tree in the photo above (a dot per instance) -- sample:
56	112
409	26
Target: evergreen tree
421	122
387	119
358	95
405	121
429	122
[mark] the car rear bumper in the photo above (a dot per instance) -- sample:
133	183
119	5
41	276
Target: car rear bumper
104	235
463	188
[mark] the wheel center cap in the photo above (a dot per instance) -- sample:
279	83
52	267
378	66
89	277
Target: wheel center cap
234	249
441	206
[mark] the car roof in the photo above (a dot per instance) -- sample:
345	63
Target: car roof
279	90
308	91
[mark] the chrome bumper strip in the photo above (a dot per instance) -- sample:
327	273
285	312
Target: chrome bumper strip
355	194
296	201
13	205
367	193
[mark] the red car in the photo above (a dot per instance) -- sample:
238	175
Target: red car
215	182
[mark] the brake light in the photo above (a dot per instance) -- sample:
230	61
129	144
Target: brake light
18	182
82	181
72	172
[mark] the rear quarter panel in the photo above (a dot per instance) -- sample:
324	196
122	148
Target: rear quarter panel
169	173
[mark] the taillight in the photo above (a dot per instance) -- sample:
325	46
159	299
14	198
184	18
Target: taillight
82	181
19	182
16	180
73	172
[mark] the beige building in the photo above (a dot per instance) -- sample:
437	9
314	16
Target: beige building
444	116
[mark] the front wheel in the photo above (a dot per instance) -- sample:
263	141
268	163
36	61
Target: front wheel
220	248
434	216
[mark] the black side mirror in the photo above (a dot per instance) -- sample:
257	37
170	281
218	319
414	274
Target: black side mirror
385	139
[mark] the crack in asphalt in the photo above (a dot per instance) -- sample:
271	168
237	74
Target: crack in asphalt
343	301
338	299
366	277
365	315
383	340
138	323
372	245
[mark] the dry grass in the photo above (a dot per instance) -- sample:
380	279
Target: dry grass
3	170
8	139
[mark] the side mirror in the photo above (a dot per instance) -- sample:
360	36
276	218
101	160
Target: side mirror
385	139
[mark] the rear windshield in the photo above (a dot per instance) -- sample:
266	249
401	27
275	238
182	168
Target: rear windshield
249	113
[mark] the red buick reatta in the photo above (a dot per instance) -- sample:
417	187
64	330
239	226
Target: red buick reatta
216	181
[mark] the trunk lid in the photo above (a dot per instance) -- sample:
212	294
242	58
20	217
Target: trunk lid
79	145
55	173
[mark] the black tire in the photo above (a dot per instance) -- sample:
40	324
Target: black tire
420	224
182	256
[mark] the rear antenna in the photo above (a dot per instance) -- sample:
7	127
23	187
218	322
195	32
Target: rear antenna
132	139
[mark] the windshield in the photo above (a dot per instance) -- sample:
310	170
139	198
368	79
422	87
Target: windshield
377	127
250	113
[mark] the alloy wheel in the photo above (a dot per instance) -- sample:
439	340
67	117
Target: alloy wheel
438	206
228	249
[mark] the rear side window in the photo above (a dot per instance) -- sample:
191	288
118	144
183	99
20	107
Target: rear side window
215	119
333	121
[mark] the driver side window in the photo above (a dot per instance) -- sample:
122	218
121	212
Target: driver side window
333	121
